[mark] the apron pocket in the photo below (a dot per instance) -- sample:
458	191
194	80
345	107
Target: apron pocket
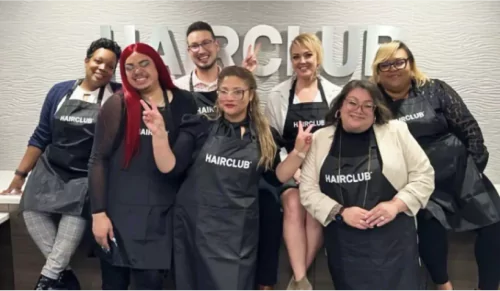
159	223
227	233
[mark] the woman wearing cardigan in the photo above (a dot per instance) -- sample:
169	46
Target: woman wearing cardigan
364	179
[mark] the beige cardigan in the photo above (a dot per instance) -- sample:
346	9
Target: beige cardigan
405	165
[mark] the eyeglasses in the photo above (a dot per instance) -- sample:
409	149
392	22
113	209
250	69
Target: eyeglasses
353	105
397	64
236	94
196	46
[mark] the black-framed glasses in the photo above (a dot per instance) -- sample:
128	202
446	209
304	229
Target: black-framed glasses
194	47
236	94
353	105
397	64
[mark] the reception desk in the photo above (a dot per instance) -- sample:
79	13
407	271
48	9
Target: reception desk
21	261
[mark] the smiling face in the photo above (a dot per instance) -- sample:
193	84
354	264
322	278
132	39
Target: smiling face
203	49
304	61
141	71
358	111
234	95
395	73
99	68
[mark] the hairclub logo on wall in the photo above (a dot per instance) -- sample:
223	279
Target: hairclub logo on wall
333	65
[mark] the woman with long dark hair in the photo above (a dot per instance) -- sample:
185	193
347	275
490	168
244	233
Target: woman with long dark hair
216	222
131	199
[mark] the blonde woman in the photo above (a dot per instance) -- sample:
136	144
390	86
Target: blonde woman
364	179
304	97
464	198
216	223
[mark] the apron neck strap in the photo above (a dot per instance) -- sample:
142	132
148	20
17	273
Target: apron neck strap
294	85
70	92
191	86
77	83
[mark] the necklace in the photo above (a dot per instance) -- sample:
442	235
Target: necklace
369	167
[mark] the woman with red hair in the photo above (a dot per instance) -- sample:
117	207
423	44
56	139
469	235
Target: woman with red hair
131	199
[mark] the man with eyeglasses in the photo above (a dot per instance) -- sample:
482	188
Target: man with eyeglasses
203	48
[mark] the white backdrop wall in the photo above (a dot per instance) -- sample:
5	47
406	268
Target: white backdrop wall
42	43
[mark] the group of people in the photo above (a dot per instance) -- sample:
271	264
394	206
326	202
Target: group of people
190	176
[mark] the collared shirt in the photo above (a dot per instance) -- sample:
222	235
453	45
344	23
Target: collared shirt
198	85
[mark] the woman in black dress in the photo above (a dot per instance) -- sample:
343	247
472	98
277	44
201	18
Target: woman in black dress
131	200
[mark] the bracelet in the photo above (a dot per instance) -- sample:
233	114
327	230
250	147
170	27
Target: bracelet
21	173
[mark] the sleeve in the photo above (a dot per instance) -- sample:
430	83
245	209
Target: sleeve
420	184
270	174
42	136
108	129
463	124
318	204
193	133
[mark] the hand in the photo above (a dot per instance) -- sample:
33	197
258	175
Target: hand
382	214
303	140
15	186
152	118
250	62
102	229
296	176
355	217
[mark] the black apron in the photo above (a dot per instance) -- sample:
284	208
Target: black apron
204	100
382	258
463	198
308	113
58	182
139	205
216	222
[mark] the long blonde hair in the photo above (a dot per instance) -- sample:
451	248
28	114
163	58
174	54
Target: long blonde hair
386	51
257	119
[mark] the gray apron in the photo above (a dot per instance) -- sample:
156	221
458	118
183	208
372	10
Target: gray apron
58	182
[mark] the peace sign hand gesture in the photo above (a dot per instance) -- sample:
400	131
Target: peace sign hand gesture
250	62
304	138
153	118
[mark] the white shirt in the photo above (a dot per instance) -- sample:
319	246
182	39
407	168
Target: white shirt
91	97
198	85
276	104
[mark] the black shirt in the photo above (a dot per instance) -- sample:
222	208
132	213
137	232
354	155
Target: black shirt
110	133
193	134
449	106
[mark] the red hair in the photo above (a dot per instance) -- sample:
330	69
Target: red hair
132	96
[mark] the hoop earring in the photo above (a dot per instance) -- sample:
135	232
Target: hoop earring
337	114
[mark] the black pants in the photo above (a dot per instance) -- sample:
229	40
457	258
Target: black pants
433	247
270	234
118	278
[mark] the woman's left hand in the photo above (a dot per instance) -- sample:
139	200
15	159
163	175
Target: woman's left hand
382	214
303	140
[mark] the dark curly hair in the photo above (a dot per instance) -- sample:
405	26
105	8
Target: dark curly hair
106	44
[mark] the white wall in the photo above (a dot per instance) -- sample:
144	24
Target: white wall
42	43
